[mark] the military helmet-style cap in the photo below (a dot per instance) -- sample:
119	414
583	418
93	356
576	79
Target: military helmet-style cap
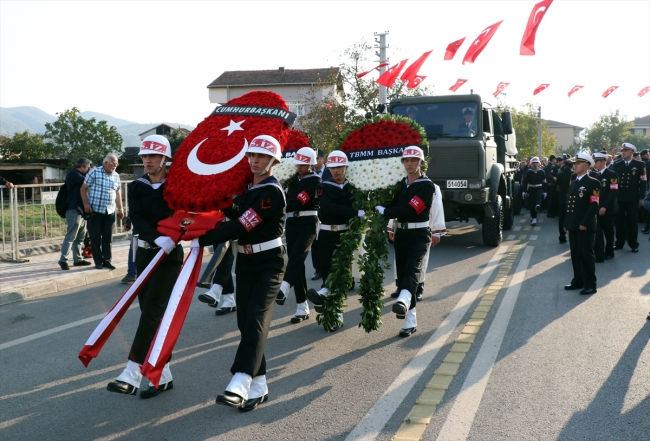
583	157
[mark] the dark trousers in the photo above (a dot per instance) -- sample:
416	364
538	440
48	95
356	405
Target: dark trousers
534	199
100	227
552	201
259	277
604	243
627	224
300	233
582	258
327	242
223	274
153	297
410	248
561	214
315	257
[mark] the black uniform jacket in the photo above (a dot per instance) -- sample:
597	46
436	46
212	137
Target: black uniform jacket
257	216
146	208
532	177
413	202
632	180
563	182
303	196
582	204
608	180
335	203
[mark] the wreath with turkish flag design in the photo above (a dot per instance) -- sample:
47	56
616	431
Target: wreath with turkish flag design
374	149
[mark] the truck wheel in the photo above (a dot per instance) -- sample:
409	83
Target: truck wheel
516	198
493	227
508	215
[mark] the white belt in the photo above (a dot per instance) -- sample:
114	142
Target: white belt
408	226
258	247
305	213
536	185
145	244
334	227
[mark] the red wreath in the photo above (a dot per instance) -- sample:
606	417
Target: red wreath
296	141
381	134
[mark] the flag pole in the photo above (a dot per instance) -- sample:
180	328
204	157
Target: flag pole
539	132
382	46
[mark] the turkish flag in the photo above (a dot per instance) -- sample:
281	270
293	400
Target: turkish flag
388	78
452	48
459	83
481	41
363	74
536	15
500	88
644	91
574	89
411	72
609	91
540	88
415	82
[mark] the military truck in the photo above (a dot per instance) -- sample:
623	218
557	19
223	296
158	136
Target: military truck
472	151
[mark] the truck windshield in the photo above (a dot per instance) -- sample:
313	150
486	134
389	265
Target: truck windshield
458	120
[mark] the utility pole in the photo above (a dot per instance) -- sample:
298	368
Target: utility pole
380	43
539	132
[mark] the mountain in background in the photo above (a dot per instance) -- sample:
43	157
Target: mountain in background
19	119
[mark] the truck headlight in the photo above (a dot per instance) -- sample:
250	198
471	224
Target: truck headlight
468	197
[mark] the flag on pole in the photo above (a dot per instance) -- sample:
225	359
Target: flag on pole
609	91
388	78
411	73
363	74
456	86
644	91
452	48
500	88
481	41
536	15
415	82
540	88
574	89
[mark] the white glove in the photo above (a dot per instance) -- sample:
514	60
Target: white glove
166	243
361	214
544	194
195	243
380	209
523	194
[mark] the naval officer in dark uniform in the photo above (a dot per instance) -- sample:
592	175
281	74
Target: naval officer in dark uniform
257	221
580	223
632	185
146	208
534	184
608	179
563	180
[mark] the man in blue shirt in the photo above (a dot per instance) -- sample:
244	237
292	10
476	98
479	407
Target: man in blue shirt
76	231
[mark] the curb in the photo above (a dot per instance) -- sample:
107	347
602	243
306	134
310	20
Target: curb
50	247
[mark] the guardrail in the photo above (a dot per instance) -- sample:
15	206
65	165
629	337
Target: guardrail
28	216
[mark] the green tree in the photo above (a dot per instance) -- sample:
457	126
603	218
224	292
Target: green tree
72	136
24	147
607	133
349	100
176	138
525	123
639	141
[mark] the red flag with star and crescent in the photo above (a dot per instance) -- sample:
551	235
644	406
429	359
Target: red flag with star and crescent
481	41
452	48
609	91
500	88
411	73
363	74
540	88
536	15
456	86
388	78
574	89
644	91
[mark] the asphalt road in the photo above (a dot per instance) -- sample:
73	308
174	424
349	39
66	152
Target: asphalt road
545	364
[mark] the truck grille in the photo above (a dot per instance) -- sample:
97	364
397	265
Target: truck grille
453	163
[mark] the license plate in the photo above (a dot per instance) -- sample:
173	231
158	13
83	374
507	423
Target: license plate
456	184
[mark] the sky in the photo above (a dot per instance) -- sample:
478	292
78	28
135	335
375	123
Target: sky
152	61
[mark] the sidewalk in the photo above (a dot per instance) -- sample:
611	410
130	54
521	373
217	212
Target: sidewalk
42	275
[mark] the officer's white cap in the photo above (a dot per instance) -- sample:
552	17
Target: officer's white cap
627	145
583	157
535	159
599	155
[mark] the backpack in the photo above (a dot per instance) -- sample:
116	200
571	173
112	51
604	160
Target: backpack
62	201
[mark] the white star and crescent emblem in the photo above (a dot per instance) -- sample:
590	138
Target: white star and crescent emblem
542	9
478	39
234	126
195	165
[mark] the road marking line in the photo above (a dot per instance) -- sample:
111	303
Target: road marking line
527	228
421	414
377	417
537	228
459	421
511	237
42	334
533	237
517	228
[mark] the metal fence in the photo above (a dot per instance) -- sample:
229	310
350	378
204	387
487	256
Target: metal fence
28	216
